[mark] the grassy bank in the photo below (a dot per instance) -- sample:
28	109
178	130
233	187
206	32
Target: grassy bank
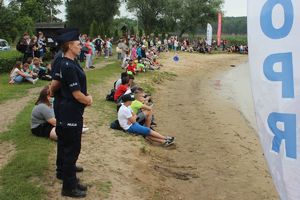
20	178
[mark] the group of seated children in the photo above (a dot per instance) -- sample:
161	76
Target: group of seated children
30	71
135	114
140	59
43	119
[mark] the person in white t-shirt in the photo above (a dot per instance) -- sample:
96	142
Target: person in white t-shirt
127	120
176	43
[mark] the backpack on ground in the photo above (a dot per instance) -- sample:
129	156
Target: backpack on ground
110	96
116	125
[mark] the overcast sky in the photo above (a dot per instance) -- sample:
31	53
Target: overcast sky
231	8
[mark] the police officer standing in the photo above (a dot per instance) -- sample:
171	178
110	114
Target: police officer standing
74	98
56	93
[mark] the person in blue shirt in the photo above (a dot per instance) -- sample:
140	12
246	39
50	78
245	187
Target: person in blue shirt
74	98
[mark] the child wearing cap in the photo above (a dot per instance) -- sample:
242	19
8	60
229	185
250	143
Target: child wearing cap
127	120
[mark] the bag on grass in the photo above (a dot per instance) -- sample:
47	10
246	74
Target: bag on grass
116	125
110	96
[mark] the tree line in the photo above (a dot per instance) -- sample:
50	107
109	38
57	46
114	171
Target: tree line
98	16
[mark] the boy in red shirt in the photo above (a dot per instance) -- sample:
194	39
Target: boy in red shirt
122	88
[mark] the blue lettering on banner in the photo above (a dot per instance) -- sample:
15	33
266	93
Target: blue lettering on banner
286	76
288	134
266	19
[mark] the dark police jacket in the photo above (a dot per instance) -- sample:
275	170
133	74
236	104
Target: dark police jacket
72	79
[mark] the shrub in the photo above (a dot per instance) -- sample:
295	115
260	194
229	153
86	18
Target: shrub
8	60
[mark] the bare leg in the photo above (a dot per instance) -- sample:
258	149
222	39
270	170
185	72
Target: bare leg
148	118
157	135
156	139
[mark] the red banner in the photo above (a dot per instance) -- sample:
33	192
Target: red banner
219	28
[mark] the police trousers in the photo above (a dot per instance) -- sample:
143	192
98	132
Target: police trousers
68	150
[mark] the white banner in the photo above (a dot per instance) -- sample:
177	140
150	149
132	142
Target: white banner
209	35
273	37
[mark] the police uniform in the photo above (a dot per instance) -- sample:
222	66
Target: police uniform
70	122
69	114
56	75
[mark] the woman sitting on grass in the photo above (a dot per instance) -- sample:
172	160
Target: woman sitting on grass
18	76
43	121
127	120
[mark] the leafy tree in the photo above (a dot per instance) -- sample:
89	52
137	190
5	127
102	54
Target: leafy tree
20	16
140	32
116	34
93	29
174	15
6	19
38	10
194	13
81	13
132	32
149	12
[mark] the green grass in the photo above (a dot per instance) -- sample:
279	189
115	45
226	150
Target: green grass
105	188
11	53
13	91
21	177
29	162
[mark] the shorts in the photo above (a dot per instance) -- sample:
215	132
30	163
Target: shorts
138	129
43	130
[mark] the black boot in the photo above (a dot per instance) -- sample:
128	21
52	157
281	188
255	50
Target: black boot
82	187
76	193
79	169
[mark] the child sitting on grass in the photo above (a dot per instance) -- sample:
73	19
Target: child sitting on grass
17	75
40	70
127	120
144	112
131	67
26	69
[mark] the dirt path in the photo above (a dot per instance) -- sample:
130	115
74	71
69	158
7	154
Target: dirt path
11	108
9	111
216	156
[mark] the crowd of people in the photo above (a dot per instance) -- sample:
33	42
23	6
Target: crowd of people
142	52
173	43
58	111
94	47
31	68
